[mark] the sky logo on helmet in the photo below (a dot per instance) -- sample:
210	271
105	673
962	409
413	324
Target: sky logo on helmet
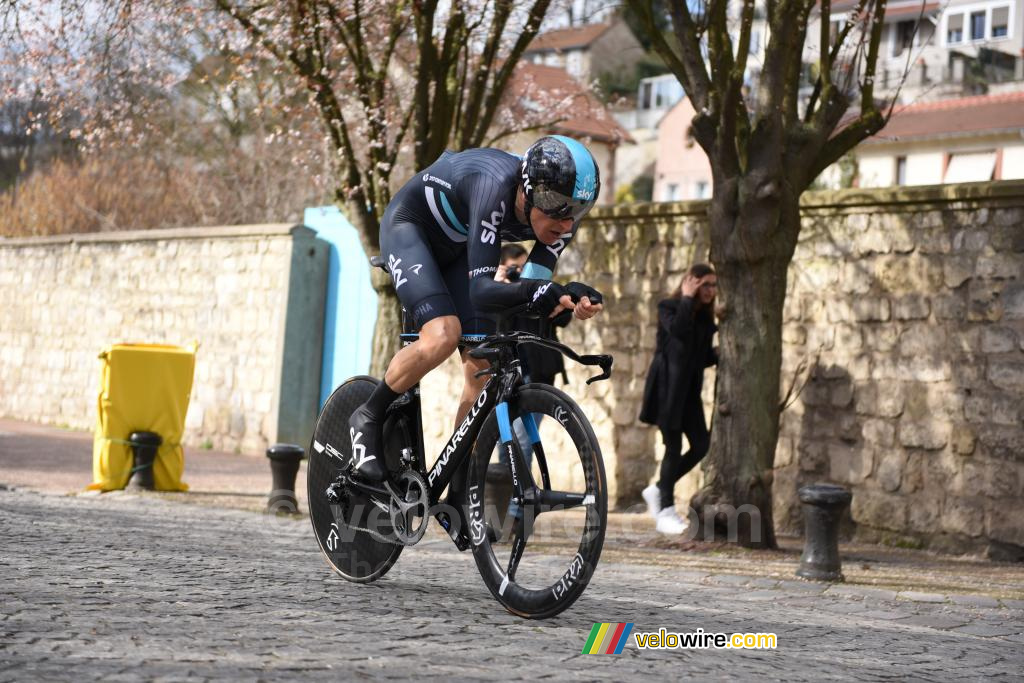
585	186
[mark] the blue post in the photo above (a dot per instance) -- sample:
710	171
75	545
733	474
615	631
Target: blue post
351	309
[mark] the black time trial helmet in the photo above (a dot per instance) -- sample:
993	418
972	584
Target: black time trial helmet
560	177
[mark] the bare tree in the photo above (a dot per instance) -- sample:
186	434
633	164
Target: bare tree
375	73
764	151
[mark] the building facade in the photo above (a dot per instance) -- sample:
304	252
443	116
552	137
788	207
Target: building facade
588	51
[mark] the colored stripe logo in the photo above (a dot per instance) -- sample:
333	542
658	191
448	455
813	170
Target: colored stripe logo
607	639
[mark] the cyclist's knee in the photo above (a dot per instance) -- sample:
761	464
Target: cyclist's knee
440	337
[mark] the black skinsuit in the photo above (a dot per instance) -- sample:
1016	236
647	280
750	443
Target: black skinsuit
441	236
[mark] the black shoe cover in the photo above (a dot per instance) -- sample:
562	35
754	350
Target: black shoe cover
367	458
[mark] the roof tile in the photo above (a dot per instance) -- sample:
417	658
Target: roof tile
957	116
568	38
585	115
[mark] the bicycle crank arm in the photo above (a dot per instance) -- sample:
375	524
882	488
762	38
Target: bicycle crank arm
562	499
363	486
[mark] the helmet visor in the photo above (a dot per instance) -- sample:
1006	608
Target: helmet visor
558	206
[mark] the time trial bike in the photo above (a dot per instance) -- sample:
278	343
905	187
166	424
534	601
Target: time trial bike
523	474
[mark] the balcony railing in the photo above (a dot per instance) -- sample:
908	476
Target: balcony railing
965	73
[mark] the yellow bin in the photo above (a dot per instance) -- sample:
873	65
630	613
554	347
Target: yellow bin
145	388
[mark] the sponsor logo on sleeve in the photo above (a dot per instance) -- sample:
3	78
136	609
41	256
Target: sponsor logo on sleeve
483	271
490	232
427	178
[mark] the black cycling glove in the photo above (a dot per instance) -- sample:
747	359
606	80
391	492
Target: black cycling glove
578	290
562	319
546	298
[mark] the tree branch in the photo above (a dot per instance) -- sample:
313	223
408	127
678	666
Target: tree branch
504	73
868	85
832	57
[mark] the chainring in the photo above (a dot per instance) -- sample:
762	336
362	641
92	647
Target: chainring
410	502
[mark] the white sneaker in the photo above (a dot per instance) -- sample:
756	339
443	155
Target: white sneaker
652	496
669	522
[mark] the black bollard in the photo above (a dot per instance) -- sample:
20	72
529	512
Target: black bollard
144	449
824	505
284	465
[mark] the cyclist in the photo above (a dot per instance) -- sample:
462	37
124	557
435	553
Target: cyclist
441	236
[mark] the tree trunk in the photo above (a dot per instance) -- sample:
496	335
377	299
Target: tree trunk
389	323
389	311
736	501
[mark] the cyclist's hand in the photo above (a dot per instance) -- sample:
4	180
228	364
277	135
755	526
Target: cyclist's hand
565	305
550	299
579	290
589	301
586	310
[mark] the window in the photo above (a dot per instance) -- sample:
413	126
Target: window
978	25
903	37
574	63
700	190
645	95
835	27
668	91
672	192
901	170
970	167
755	42
983	22
955	28
1000	22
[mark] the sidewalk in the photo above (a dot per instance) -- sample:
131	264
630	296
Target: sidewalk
56	461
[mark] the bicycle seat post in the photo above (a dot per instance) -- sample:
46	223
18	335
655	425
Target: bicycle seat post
408	326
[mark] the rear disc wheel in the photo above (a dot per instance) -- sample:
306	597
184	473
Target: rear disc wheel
342	529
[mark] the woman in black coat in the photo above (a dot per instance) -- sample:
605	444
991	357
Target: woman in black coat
686	326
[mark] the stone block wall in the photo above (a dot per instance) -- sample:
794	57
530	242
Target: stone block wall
903	341
251	296
905	336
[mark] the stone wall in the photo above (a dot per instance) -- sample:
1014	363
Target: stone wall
251	296
909	316
904	342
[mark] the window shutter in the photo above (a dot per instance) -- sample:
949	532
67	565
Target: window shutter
1000	16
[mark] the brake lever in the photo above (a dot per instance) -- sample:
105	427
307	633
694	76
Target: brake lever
604	361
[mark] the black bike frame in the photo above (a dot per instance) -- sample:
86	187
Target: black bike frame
459	445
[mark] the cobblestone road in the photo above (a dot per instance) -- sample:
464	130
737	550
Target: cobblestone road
122	588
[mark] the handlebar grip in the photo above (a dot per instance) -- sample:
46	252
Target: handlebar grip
485	352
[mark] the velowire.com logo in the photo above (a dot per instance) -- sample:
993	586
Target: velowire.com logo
607	639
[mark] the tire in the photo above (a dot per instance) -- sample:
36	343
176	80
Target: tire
558	561
354	553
